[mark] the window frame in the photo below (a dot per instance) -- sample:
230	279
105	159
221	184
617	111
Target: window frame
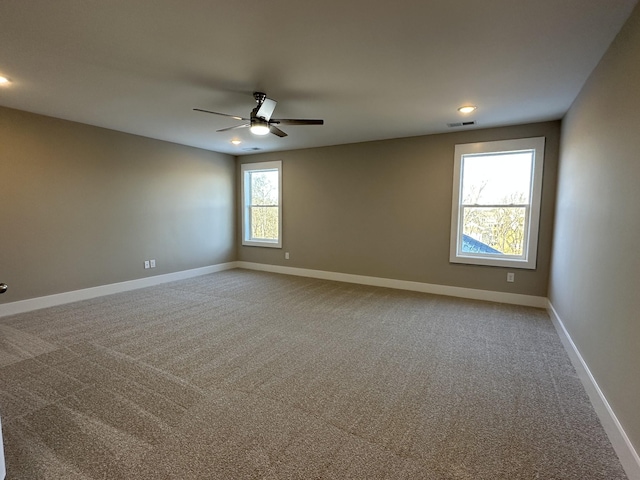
246	169
529	259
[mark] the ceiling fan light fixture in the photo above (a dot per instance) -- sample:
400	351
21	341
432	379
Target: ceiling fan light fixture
236	142
259	129
259	126
467	108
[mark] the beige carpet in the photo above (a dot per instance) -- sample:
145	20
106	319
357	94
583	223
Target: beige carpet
253	375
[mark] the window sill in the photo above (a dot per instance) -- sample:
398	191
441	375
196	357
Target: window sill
254	243
494	262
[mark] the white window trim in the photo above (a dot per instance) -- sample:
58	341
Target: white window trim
246	219
531	237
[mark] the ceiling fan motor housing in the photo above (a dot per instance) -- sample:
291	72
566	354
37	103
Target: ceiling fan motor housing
258	121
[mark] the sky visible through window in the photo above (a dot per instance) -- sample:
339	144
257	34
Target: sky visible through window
264	187
497	179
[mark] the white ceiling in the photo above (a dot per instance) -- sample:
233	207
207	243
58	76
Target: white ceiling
371	70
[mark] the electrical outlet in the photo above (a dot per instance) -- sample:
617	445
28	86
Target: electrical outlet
152	263
146	264
286	255
511	277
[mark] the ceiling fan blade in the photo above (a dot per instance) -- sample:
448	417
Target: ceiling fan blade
266	108
233	128
218	113
277	131
296	121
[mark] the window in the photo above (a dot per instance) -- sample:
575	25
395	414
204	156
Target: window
261	204
496	202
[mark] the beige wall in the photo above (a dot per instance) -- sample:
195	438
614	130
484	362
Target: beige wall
84	206
595	278
383	209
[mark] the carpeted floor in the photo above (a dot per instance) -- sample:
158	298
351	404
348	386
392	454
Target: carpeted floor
243	374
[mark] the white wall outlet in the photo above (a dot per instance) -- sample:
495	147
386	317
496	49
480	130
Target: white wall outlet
146	264
152	263
511	277
286	255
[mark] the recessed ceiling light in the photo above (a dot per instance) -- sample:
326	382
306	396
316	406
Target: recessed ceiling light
467	109
236	142
4	81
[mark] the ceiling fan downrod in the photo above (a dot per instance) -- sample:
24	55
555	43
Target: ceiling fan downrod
260	97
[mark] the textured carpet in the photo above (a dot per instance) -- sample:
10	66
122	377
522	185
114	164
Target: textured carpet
254	375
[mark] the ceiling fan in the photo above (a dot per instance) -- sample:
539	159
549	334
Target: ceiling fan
260	121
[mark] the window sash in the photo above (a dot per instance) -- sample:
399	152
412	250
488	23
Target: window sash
525	236
255	225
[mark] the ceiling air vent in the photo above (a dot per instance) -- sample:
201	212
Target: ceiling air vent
461	124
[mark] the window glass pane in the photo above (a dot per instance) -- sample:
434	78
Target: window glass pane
496	179
497	230
264	187
264	223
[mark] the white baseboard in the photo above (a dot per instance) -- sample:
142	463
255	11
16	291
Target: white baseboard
3	470
500	297
93	292
627	454
21	306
